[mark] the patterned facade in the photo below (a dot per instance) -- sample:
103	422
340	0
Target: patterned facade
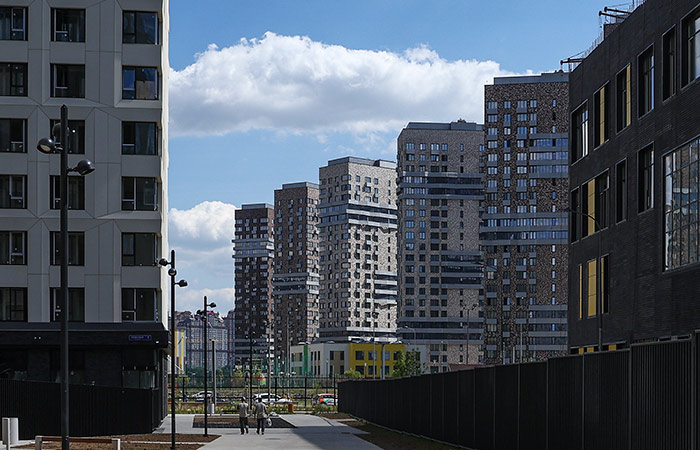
524	227
358	248
440	271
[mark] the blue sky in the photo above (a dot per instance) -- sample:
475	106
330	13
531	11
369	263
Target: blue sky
264	92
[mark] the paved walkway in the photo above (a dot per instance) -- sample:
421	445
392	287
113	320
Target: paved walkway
311	432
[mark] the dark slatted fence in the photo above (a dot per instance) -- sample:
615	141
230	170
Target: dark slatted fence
644	397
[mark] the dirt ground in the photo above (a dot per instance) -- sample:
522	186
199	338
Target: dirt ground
387	439
138	442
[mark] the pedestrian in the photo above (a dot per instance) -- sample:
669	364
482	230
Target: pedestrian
243	415
261	414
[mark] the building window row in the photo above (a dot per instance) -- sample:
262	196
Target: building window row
68	81
69	25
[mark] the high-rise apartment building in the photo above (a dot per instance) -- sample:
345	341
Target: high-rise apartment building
254	251
524	227
191	326
296	278
440	190
358	226
635	180
108	62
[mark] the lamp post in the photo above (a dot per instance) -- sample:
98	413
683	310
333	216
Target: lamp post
599	294
84	167
203	313
182	283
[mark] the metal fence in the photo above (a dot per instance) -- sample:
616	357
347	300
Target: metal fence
94	410
644	397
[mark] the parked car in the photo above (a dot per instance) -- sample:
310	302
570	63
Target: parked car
199	396
273	398
325	399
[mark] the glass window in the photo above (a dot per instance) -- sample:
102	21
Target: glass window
592	301
68	80
76	192
139	194
624	103
140	28
669	62
600	103
140	83
13	24
13	79
580	132
13	304
139	249
139	305
139	138
68	25
13	248
13	135
681	222
76	248
621	191
646	179
13	190
691	47
76	304
76	136
646	81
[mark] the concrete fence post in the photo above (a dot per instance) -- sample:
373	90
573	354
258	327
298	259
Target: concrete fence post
37	443
10	431
116	444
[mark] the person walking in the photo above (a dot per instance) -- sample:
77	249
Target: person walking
261	414
243	415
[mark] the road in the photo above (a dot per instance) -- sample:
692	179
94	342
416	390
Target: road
311	432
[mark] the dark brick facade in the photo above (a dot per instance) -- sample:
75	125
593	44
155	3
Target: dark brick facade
645	302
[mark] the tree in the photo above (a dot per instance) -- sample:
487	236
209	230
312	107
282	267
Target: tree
407	364
352	374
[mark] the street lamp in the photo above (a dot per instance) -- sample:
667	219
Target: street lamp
50	146
203	314
182	283
599	294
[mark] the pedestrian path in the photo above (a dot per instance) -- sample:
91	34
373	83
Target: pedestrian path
311	432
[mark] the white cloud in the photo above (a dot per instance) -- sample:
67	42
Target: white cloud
201	237
208	222
294	84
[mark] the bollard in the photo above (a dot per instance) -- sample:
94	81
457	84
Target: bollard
37	442
10	431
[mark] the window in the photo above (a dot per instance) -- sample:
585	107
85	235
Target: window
691	48
139	194
140	83
359	355
492	118
68	25
139	305
13	24
604	285
13	304
533	103
139	138
646	81
13	79
624	103
522	103
595	203
669	62
13	135
76	136
682	185
76	192
139	249
76	249
493	131
13	190
580	132
592	301
646	179
76	305
600	103
13	248
140	27
621	191
68	80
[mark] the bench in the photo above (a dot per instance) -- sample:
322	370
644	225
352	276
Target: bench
39	440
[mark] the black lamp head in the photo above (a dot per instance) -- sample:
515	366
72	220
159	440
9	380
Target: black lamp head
182	283
163	262
46	145
212	305
85	167
172	272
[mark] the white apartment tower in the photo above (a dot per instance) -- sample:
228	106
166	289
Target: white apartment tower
108	62
358	230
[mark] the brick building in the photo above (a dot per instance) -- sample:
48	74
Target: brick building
524	227
440	272
634	180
